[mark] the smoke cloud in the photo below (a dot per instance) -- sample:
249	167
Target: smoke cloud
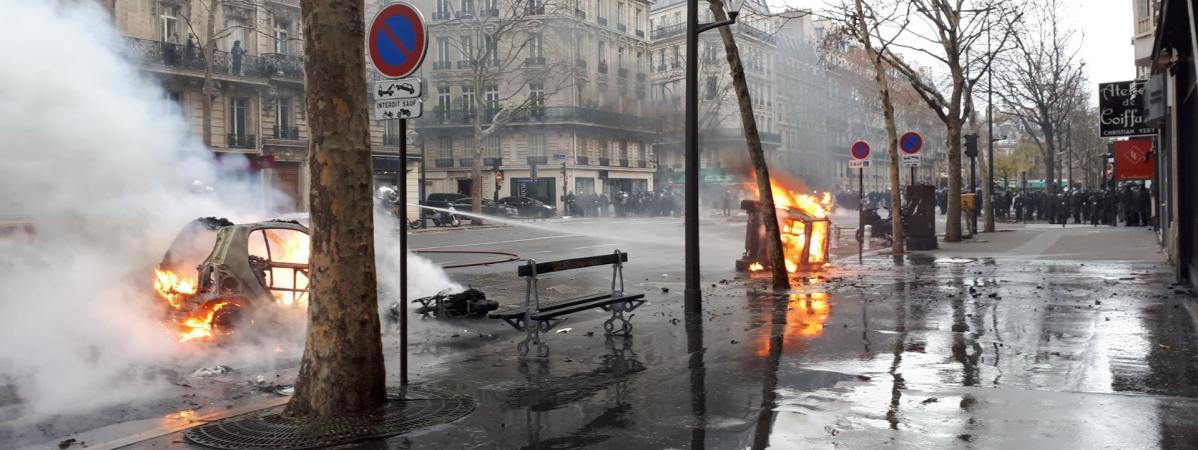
103	165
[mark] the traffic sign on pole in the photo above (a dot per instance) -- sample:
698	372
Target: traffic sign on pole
858	163
398	40
397	89
860	150
911	142
910	160
409	108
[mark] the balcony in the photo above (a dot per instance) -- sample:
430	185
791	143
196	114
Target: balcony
441	15
622	28
392	139
486	13
492	162
580	63
602	67
675	65
176	56
545	114
642	164
466	64
666	32
738	134
443	163
623	163
538	160
583	160
534	61
604	161
466	162
640	33
622	72
240	141
442	65
602	21
661	68
580	14
640	76
286	132
752	31
468	14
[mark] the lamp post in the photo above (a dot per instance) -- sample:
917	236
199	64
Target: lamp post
693	293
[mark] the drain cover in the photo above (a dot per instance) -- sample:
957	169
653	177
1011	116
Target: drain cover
268	429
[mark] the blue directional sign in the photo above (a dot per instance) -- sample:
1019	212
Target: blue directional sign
860	150
911	142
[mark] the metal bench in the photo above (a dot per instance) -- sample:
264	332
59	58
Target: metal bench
535	317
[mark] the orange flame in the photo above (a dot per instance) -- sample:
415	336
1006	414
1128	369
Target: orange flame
794	231
200	325
756	267
171	288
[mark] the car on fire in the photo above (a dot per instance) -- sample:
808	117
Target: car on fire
217	273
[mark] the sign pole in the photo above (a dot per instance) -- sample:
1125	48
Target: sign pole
402	183
861	214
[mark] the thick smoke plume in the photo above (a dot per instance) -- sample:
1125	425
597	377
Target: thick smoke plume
103	165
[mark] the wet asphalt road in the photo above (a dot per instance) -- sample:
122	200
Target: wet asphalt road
1041	345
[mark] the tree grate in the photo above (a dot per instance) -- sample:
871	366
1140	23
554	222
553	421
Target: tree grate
405	411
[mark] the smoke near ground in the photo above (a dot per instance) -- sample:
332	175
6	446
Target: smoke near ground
104	166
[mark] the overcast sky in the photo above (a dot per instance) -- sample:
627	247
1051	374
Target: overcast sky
1106	27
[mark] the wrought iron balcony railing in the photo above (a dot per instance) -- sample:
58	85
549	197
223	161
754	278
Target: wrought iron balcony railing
583	160
443	163
640	33
534	61
286	132
602	67
442	65
441	15
622	72
667	31
492	162
642	164
543	114
580	63
580	14
603	21
640	76
538	160
604	161
466	64
493	12
466	162
623	163
240	141
179	56
622	28
392	139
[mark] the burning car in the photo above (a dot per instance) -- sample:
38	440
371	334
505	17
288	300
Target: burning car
804	227
217	273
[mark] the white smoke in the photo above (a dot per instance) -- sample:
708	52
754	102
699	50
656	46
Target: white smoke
92	153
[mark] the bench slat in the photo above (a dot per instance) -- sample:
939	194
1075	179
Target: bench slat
575	263
518	311
546	315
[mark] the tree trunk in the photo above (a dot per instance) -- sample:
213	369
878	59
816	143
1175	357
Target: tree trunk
476	171
896	251
342	370
781	279
952	229
209	89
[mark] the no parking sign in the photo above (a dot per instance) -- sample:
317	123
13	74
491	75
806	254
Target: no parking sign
398	40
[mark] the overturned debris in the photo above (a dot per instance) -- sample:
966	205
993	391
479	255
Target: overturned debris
468	303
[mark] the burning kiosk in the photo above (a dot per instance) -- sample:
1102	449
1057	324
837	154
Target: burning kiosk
803	222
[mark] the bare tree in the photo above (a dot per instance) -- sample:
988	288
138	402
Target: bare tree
862	23
342	369
954	37
781	279
1041	83
504	45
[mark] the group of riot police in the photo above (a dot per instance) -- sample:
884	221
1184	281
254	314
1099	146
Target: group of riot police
1131	206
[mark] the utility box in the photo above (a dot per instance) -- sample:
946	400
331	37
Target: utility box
968	201
920	211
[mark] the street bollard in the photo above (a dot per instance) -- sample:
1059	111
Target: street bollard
869	233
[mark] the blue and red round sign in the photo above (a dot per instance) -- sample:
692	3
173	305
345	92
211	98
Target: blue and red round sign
398	40
911	142
860	150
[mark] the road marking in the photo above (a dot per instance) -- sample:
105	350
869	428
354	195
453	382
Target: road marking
501	242
595	246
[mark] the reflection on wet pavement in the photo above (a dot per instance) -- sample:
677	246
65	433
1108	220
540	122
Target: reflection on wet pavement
941	353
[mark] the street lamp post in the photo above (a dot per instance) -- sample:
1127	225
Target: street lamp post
693	293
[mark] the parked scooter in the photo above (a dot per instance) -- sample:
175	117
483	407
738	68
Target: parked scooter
882	228
446	218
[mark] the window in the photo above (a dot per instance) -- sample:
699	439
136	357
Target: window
240	108
236	26
174	103
636	20
492	56
491	98
491	147
491	8
445	146
170	23
536	7
620	14
443	8
602	52
536	144
467	8
443	49
599	11
284	116
443	98
467	48
536	48
281	36
677	58
468	98
711	87
640	66
661	59
536	94
620	57
277	248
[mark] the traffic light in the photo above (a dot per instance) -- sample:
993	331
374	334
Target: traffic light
971	145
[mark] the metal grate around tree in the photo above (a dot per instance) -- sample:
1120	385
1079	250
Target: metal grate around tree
268	429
